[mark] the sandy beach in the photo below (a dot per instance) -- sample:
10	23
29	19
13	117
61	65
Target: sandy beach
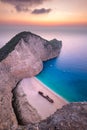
31	86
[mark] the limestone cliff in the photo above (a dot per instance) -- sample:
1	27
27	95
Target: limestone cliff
7	117
21	57
71	117
26	51
25	112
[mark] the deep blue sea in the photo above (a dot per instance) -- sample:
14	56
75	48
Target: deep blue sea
66	75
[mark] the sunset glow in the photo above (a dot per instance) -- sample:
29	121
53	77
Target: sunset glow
43	12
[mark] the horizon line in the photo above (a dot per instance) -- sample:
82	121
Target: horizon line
40	24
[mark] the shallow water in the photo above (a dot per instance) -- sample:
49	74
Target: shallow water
67	74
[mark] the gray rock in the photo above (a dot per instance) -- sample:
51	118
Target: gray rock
24	111
21	57
7	117
71	117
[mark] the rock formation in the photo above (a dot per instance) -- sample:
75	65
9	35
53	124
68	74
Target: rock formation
71	117
21	57
25	112
7	117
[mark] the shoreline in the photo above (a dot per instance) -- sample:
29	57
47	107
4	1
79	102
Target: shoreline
31	87
49	89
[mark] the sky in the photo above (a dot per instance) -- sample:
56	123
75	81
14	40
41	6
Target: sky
43	12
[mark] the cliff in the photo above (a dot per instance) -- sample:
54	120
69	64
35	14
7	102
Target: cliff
26	51
21	57
45	49
71	117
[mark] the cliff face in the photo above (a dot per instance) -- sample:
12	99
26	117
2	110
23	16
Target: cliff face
25	112
21	57
71	117
26	51
44	49
7	117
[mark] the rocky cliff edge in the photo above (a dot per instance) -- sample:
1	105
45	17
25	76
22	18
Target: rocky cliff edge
21	57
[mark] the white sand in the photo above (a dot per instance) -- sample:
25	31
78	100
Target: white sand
31	86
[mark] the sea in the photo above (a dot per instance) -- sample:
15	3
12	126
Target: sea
66	75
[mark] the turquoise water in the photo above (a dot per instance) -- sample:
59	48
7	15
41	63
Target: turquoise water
70	85
67	74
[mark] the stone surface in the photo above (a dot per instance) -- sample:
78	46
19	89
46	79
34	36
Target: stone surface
7	117
21	57
71	117
24	111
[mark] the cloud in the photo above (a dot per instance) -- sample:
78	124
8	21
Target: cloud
29	2
40	11
21	8
24	5
24	2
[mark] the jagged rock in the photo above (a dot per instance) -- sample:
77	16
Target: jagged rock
21	57
26	51
24	111
71	117
7	117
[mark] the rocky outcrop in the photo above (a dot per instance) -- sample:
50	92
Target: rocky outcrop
26	51
71	117
8	119
25	113
21	57
39	46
